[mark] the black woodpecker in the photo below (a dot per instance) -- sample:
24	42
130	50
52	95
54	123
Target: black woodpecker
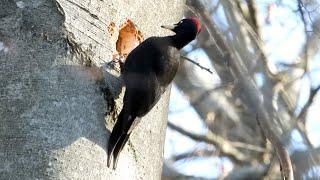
147	71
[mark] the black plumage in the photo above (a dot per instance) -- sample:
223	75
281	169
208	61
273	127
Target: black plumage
147	71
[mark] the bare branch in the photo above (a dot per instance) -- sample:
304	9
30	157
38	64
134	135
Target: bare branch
209	91
306	48
193	154
253	12
300	120
303	112
204	95
224	146
282	153
197	64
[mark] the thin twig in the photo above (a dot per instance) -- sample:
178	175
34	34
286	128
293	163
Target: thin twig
303	112
204	95
226	147
305	24
197	64
194	154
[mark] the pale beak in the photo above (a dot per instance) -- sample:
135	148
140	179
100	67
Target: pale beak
170	27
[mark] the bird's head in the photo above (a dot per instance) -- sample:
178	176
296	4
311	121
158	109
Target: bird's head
186	30
190	26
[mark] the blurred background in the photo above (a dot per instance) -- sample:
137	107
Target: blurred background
261	102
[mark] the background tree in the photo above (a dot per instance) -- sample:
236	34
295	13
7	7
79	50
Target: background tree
257	104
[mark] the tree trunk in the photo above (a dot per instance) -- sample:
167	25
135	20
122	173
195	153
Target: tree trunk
51	106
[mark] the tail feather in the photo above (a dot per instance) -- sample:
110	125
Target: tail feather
119	136
122	141
115	137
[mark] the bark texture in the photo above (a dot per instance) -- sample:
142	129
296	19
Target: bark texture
51	108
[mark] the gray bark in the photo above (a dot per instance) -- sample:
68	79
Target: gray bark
52	111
